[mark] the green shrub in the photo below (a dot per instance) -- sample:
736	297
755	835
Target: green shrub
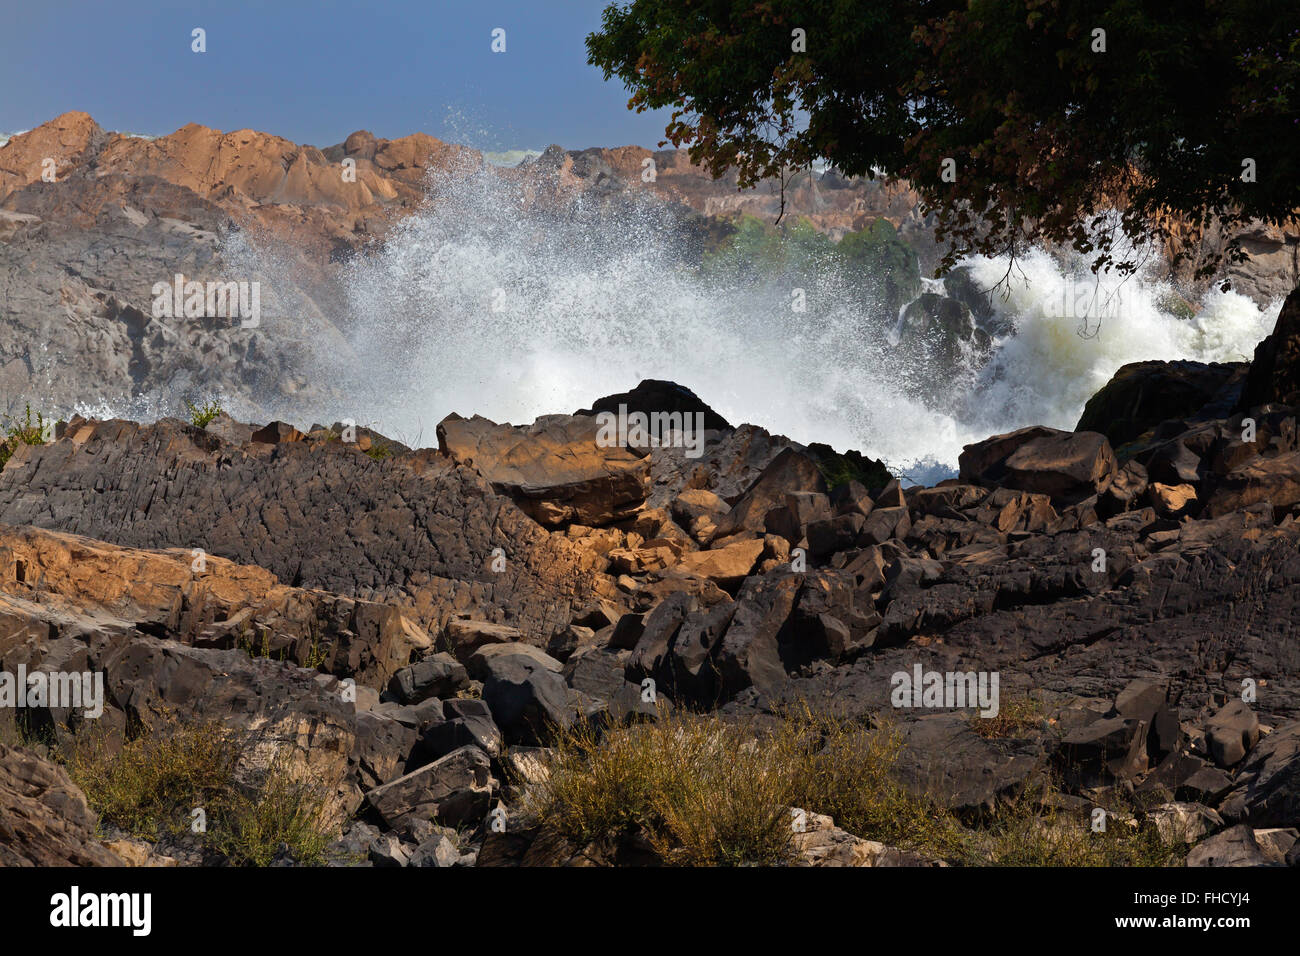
698	788
24	431
284	810
1016	716
150	786
882	261
705	791
201	416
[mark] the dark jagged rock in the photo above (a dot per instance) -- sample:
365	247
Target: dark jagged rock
527	696
1267	786
790	471
653	395
985	463
1275	370
851	466
944	331
1067	467
1141	395
1133	606
453	790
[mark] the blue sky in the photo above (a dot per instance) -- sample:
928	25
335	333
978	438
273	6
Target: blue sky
315	71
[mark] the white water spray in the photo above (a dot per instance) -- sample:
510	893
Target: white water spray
482	302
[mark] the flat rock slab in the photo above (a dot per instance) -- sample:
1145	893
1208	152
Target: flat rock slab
556	470
453	790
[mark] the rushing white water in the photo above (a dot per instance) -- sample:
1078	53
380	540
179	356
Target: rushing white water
476	305
1059	356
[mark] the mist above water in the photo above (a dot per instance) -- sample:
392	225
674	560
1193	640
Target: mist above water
484	303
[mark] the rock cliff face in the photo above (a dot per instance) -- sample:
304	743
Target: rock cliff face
263	182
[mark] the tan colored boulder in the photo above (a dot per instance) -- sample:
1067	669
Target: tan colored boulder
789	471
1171	501
695	502
554	469
466	637
139	853
1068	467
1026	512
985	462
817	841
1182	822
724	566
654	555
208	601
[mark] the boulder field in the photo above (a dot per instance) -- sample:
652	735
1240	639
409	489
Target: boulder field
416	624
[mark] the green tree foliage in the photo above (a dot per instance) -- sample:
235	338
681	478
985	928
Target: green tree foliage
1048	123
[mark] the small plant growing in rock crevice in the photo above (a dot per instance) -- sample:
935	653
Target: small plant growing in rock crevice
201	416
249	644
25	431
256	643
317	654
1016	717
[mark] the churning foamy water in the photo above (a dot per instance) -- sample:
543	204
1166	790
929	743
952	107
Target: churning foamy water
481	303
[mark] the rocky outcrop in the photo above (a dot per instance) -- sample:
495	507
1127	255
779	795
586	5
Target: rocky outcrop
1275	370
419	531
1142	395
652	396
942	332
1139	604
51	149
207	601
1065	466
44	819
301	193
